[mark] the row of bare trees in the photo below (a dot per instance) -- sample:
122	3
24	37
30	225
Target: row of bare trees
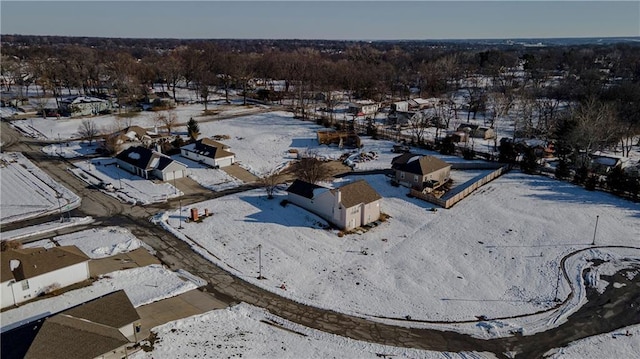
537	87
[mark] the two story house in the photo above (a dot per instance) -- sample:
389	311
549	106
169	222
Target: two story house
347	207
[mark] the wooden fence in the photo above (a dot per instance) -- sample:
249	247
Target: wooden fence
460	192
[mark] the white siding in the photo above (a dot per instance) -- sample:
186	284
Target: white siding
37	285
225	161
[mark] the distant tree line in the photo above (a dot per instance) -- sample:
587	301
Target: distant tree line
583	97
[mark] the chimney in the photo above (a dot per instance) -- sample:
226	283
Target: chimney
194	214
206	212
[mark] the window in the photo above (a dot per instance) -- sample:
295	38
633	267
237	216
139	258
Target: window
402	175
415	178
25	284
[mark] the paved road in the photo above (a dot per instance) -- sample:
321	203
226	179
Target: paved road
229	289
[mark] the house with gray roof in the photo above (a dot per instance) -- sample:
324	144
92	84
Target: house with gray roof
29	272
101	328
150	164
347	207
210	152
422	173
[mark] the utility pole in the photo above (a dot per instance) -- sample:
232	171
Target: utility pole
260	261
180	215
594	231
58	196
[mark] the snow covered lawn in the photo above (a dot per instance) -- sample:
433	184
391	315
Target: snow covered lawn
127	186
495	254
101	242
65	128
71	149
623	343
44	228
28	192
247	331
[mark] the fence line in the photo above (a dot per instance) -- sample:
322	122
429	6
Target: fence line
462	191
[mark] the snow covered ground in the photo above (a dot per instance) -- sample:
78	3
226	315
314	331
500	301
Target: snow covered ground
495	254
247	331
28	192
66	128
623	343
99	242
44	228
71	149
127	187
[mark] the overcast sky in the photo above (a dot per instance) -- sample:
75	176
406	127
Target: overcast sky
354	20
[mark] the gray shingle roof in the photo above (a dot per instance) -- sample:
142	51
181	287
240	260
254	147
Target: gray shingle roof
423	165
37	261
357	192
88	330
114	310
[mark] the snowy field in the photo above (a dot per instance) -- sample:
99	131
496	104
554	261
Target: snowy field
247	331
28	192
495	254
48	227
66	128
71	149
623	343
99	242
127	187
261	142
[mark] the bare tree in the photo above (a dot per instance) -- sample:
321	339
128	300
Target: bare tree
595	126
311	169
40	103
88	130
270	181
112	144
168	119
418	125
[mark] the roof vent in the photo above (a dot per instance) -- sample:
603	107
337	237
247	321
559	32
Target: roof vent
13	264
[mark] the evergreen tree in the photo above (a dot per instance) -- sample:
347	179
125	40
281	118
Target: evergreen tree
562	170
507	151
447	147
529	162
193	129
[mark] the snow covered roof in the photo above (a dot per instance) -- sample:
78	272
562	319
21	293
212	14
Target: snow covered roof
145	158
82	99
209	148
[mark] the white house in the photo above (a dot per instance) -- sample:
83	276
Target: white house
422	173
148	164
210	152
401	106
350	206
363	108
29	272
84	106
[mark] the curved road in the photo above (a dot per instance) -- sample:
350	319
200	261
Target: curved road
177	254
